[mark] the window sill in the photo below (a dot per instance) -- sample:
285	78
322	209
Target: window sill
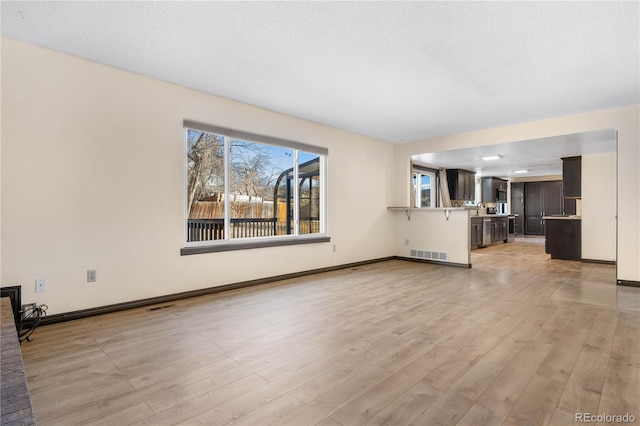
247	245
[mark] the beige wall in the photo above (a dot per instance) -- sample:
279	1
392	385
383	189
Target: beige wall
429	229
625	120
599	206
93	178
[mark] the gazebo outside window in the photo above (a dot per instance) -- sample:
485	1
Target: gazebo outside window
308	195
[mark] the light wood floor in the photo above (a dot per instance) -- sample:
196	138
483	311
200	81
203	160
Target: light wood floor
517	339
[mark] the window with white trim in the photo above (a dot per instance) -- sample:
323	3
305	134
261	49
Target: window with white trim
424	187
243	187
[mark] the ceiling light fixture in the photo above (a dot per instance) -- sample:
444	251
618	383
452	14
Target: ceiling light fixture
520	171
491	157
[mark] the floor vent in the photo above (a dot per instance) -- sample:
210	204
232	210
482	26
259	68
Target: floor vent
429	255
157	308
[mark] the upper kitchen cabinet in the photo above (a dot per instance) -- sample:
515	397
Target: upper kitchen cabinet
571	177
462	184
494	190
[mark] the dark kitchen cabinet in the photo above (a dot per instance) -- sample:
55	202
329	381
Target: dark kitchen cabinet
494	190
499	228
517	205
462	184
533	225
569	206
476	232
564	238
552	198
572	177
533	208
541	199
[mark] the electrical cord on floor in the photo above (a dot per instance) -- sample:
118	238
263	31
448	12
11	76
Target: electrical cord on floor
30	322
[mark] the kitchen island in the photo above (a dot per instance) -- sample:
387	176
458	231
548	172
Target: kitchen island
563	237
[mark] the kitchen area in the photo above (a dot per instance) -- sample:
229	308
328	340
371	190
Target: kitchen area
486	200
520	191
491	223
548	208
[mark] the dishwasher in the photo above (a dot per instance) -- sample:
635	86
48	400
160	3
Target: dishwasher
486	231
511	234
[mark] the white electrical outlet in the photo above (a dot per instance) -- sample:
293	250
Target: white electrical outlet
333	248
406	242
41	285
91	276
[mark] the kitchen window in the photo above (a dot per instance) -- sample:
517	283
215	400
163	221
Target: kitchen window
246	190
424	187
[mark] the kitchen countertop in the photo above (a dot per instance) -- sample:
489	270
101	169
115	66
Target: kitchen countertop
572	217
424	209
491	215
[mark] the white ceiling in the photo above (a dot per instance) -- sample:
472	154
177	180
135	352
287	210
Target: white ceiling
394	71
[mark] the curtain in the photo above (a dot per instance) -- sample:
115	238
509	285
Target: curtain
444	189
412	195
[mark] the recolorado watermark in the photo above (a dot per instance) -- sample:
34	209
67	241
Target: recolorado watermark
605	418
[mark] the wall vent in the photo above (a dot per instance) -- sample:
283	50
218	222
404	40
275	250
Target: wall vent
440	256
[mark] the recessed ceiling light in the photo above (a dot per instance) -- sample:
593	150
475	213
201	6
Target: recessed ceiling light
491	157
520	171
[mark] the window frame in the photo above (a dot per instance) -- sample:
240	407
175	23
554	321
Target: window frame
228	243
435	186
